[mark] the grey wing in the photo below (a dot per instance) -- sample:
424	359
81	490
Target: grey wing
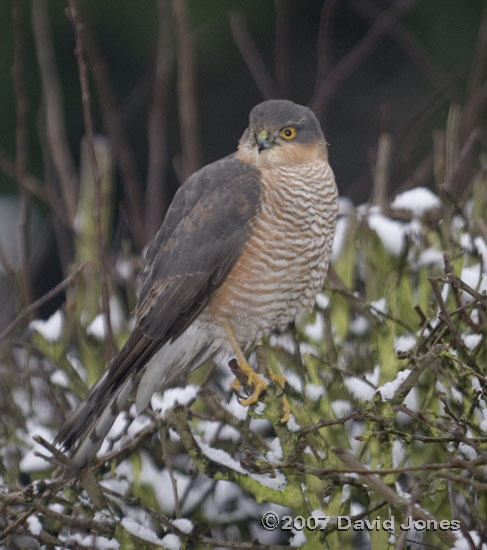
206	226
200	240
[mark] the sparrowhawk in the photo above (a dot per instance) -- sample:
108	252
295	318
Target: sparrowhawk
243	250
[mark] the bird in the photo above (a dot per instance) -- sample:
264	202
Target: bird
242	252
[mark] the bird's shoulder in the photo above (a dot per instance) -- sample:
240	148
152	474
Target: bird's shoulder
216	199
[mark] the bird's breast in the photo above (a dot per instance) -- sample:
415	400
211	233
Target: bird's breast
284	262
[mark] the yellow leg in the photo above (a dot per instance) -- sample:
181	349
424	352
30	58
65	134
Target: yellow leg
286	408
253	379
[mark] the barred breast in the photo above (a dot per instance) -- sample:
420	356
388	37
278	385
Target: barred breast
284	262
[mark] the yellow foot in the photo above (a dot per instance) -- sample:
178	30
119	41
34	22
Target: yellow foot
286	408
253	379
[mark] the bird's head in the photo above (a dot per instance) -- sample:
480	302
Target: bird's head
280	133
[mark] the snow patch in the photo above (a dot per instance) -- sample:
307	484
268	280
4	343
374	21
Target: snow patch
51	329
388	390
418	201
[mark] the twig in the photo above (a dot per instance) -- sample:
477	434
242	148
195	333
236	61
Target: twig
376	484
21	148
283	18
157	139
323	42
132	184
88	120
357	54
188	118
42	300
408	41
250	53
52	99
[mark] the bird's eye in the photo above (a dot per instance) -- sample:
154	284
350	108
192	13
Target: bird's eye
288	133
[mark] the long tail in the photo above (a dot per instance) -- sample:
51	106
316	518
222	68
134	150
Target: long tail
90	422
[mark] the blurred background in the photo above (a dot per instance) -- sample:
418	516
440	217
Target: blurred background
170	85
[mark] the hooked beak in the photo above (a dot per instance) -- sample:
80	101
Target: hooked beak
263	141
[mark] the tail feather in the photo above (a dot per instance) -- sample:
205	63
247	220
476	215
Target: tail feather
92	419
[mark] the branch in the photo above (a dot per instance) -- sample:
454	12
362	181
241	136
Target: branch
80	48
188	118
251	55
41	301
357	54
156	182
53	102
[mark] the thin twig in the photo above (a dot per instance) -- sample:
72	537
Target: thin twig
88	120
398	502
53	102
283	19
324	41
188	118
408	41
21	149
357	54
155	196
131	181
26	312
251	55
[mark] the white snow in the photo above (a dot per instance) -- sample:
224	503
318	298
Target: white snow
341	407
474	277
471	340
172	397
388	390
221	457
418	201
183	524
140	531
404	343
51	329
359	389
322	300
89	541
391	233
379	305
275	451
171	542
314	391
430	257
298	538
359	326
462	543
341	230
315	330
34	525
60	378
97	327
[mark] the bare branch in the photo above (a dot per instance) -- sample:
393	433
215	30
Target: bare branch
26	312
155	196
88	119
357	54
251	55
53	102
188	117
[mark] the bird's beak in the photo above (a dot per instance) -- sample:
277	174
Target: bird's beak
263	141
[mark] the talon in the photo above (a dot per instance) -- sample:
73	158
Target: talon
286	410
278	379
236	385
255	380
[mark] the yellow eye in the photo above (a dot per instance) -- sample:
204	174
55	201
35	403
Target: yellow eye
288	133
